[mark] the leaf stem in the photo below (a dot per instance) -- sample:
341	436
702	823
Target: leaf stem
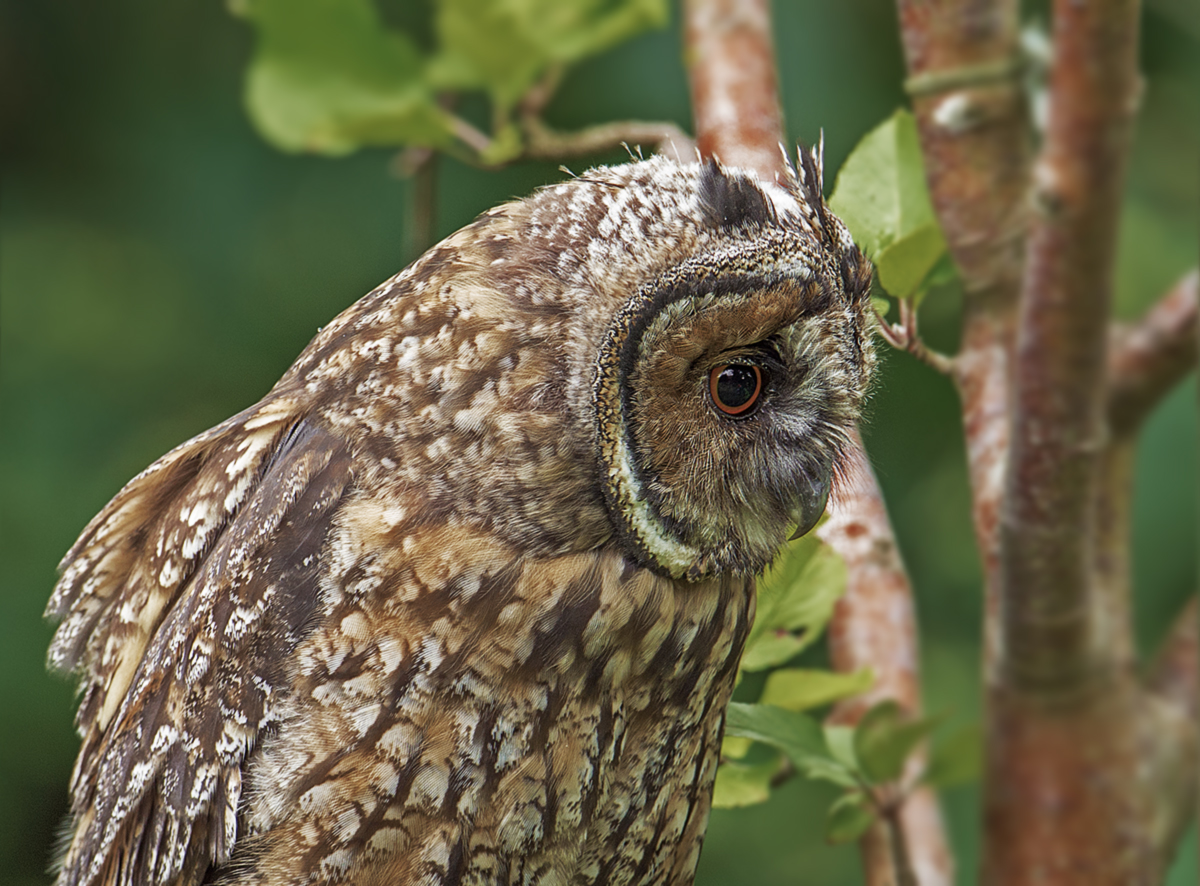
542	142
905	336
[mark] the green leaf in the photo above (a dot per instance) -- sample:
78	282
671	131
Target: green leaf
505	45
905	263
885	736
328	77
882	197
848	818
798	689
743	784
881	305
840	741
734	748
797	735
795	601
956	760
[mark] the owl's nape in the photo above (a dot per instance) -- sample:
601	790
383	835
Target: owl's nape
461	600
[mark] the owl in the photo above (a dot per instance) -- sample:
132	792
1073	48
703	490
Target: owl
462	599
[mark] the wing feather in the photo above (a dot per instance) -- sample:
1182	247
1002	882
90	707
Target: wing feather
179	605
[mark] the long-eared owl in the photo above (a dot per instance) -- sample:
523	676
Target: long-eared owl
461	600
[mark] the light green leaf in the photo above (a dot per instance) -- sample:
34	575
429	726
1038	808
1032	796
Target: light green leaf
882	197
798	689
328	77
848	818
840	740
743	784
905	263
885	736
505	45
881	305
734	748
797	735
795	601
956	760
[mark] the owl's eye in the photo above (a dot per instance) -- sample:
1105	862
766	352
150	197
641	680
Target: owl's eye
735	387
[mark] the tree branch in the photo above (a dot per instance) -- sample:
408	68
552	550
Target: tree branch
1058	417
1170	732
874	627
542	142
735	91
1149	358
1173	675
1066	799
974	129
736	108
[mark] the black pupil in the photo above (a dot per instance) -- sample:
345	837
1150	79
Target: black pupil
736	386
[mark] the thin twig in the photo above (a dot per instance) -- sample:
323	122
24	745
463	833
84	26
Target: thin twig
542	142
420	167
1148	358
466	132
905	336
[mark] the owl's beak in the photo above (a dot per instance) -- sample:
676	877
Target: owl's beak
812	496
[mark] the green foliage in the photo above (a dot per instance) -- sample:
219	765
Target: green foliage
798	735
795	602
857	759
743	784
504	46
849	817
882	197
328	76
884	739
799	689
956	760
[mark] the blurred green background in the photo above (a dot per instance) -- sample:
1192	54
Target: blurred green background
160	267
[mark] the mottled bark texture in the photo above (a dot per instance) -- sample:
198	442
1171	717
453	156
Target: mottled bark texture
1089	777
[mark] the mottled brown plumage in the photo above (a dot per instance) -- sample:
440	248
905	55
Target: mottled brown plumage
461	600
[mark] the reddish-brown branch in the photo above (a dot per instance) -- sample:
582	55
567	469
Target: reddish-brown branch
974	130
1065	799
1169	731
873	624
874	627
1059	401
736	106
1148	358
1174	672
735	93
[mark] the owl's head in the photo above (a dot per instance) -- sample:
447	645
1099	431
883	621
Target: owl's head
669	357
728	384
